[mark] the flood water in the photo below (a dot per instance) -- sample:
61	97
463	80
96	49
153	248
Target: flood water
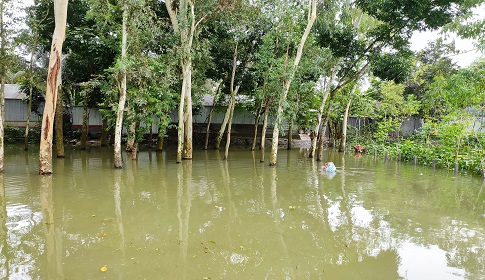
237	219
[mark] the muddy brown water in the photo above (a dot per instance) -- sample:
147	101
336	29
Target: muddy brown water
237	219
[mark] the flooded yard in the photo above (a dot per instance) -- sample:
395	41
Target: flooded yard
237	219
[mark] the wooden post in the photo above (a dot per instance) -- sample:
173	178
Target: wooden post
415	160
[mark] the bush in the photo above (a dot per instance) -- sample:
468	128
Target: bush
14	135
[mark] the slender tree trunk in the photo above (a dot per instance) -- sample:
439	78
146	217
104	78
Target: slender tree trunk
223	127
3	70
184	26
290	135
323	130
29	108
135	145
263	133
209	117
181	127
207	128
134	150
256	124
188	123
229	127
59	123
264	106
343	139
85	129
53	77
2	136
325	92
312	15
131	136
104	132
160	138
118	164
233	103
27	123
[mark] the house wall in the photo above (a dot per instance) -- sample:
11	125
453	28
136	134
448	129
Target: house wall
16	115
16	112
240	118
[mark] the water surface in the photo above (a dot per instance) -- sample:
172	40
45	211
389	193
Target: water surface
237	219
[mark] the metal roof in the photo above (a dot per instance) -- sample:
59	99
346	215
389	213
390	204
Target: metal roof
12	91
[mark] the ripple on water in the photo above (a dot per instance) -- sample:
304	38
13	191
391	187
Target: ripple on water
16	186
21	218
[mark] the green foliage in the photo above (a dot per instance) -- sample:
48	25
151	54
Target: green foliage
385	127
13	135
392	66
37	94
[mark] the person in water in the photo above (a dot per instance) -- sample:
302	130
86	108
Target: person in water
329	167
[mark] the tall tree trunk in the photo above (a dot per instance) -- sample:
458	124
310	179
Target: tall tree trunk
188	123
131	135
233	103
53	77
85	129
134	150
184	26
325	92
134	146
118	164
59	123
209	117
181	127
323	129
229	127
263	133
312	15
160	137
343	139
104	132
263	107
290	135
223	127
2	85
29	106
2	119
27	122
207	128
256	124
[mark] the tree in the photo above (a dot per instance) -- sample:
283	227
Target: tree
312	16
367	32
31	83
121	82
343	139
186	18
53	78
7	11
2	80
430	63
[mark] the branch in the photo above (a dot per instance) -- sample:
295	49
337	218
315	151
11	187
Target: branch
311	19
354	77
234	65
173	15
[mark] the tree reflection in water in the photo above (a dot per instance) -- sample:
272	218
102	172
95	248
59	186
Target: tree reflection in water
239	219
